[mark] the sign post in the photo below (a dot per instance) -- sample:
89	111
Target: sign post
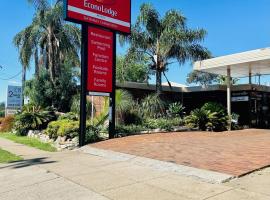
101	20
112	95
84	61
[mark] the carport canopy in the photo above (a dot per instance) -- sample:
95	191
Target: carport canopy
245	64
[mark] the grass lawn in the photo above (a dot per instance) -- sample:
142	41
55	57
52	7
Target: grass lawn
6	157
32	142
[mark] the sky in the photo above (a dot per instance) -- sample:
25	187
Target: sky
233	26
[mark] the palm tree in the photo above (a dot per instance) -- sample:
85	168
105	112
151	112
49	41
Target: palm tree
164	40
124	102
49	39
24	43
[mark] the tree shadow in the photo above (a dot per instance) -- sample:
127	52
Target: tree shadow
27	163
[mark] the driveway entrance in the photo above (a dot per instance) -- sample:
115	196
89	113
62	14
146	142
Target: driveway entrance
236	153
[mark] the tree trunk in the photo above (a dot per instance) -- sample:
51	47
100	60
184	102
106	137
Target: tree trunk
50	55
23	83
36	63
158	82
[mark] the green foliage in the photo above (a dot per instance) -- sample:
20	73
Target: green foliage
211	116
223	80
163	123
32	118
221	121
69	116
152	106
176	109
75	106
92	134
43	92
7	157
148	124
49	40
2	109
124	100
2	113
164	39
202	78
70	129
62	128
124	103
32	142
123	130
6	124
132	117
131	68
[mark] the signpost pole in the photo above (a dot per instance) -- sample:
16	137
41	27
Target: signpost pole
112	94
84	61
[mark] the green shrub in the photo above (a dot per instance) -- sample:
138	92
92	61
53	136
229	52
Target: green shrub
124	104
52	129
123	130
162	123
64	127
44	92
71	129
92	134
2	113
152	107
6	124
69	116
221	121
176	109
68	128
32	118
211	116
199	118
2	109
75	106
132	117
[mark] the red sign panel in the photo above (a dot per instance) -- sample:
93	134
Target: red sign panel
111	14
100	60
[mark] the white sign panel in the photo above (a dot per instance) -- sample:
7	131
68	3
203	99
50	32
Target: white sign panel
238	99
14	97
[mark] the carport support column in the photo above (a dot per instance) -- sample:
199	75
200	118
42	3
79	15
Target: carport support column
250	75
229	108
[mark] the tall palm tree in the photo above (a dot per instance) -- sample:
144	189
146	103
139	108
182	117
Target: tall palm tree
165	40
24	44
50	40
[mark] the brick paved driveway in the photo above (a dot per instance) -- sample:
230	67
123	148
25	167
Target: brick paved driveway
235	153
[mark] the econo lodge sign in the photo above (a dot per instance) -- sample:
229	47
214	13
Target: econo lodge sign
111	14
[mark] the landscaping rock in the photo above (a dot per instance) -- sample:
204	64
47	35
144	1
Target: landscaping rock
61	143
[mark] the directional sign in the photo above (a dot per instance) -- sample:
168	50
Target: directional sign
100	60
112	14
14	97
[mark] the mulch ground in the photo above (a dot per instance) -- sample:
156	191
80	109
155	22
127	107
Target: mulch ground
235	153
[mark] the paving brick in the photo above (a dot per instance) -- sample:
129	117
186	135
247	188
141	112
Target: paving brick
235	153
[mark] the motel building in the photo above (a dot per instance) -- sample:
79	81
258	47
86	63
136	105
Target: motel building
250	101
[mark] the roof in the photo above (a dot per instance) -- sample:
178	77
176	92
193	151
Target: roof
151	87
256	62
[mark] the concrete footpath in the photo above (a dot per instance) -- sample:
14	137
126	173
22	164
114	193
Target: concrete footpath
90	173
